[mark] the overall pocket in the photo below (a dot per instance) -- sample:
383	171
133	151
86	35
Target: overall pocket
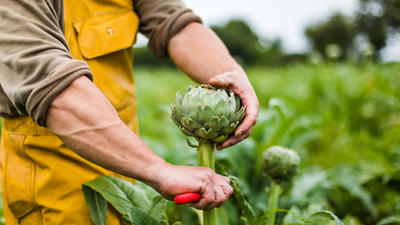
18	174
106	33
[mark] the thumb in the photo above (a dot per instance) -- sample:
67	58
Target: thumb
221	80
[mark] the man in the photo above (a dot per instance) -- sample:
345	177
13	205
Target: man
60	129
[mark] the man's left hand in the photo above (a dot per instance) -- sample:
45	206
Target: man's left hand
238	82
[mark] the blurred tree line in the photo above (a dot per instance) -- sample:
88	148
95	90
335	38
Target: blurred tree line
358	38
242	42
363	35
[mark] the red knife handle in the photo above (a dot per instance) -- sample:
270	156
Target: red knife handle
187	198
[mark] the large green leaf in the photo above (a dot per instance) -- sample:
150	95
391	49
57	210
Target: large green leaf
137	216
122	195
137	195
157	208
97	206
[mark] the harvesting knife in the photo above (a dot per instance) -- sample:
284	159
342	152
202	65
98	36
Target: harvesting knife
187	198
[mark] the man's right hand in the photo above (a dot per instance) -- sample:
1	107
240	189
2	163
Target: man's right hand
175	180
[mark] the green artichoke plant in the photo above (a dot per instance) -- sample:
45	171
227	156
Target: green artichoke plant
210	115
280	163
207	112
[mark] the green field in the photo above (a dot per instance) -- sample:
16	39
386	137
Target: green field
343	119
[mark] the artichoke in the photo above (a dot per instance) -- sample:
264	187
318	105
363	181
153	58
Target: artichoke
280	163
207	112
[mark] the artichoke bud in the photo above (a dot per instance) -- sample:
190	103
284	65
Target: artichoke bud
207	112
280	163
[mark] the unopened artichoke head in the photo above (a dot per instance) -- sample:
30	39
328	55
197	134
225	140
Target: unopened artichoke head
280	163
207	112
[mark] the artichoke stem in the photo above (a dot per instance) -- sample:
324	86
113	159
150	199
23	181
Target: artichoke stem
273	202
206	158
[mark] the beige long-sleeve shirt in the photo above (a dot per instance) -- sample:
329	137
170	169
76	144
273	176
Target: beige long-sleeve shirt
35	62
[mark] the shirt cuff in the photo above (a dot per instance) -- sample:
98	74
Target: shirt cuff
59	79
158	41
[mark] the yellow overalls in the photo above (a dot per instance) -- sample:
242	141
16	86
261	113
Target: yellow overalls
41	177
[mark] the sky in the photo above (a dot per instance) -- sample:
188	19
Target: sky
285	19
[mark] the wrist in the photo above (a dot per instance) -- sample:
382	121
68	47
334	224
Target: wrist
154	177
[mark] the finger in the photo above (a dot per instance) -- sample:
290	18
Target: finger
227	143
219	198
223	180
203	204
222	80
233	140
250	118
227	180
207	198
227	189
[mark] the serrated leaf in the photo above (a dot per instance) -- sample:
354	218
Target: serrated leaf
124	197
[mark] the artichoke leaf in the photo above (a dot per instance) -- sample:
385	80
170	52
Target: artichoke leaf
191	144
237	99
186	132
239	115
179	98
217	123
211	98
175	121
190	124
220	139
176	111
229	129
221	108
203	113
206	134
189	103
231	104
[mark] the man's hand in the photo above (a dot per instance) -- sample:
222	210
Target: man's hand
175	180
240	85
198	52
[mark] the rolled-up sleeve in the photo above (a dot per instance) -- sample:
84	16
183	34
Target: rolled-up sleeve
35	63
160	20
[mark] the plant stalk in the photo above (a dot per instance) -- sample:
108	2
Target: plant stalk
273	202
206	158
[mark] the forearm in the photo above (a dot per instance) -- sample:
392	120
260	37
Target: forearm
199	53
87	123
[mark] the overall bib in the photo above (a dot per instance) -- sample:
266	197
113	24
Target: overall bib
41	177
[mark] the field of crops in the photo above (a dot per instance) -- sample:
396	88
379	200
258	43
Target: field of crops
343	120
